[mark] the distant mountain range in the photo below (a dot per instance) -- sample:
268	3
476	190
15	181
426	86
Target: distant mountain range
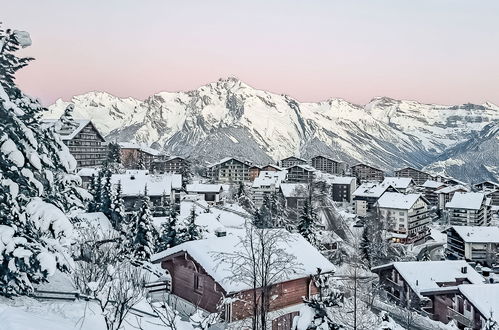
230	118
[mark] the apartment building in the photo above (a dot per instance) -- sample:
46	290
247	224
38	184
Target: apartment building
469	209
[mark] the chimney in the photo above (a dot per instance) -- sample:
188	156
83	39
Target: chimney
464	270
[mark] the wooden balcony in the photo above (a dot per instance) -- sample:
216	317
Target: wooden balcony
455	315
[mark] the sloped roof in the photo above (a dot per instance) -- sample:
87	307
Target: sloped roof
433	184
303	166
208	253
267	178
484	297
293	157
394	200
427	275
204	187
467	200
451	189
370	189
478	234
69	132
131	145
157	184
402	182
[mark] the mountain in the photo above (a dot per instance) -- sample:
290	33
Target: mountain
230	118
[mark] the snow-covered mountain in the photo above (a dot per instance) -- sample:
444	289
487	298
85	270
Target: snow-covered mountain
230	118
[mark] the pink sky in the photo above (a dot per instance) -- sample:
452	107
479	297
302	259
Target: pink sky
444	51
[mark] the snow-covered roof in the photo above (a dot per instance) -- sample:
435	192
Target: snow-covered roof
267	178
478	234
326	157
399	183
371	189
451	189
157	184
304	167
432	184
341	179
294	157
362	164
274	166
226	159
208	252
98	220
294	189
68	132
87	171
484	297
467	200
131	145
394	200
204	188
427	275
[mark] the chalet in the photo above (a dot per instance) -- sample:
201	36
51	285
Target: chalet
365	172
295	195
292	161
405	282
254	171
445	194
134	156
485	186
173	164
419	177
84	141
494	198
87	175
328	165
473	243
268	182
406	216
157	186
469	209
229	170
211	193
402	184
366	196
430	187
300	173
469	305
202	276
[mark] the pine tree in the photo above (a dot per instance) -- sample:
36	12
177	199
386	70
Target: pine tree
118	216
96	191
192	231
92	206
113	160
365	247
307	225
35	166
169	235
106	194
186	173
143	238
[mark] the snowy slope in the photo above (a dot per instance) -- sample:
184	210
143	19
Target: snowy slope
230	118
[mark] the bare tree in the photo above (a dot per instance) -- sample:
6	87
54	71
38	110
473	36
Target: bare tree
260	260
100	274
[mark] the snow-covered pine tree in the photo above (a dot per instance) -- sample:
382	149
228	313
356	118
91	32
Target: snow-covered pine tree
143	237
192	231
113	159
323	303
169	235
32	225
186	173
118	216
308	224
95	191
365	247
106	194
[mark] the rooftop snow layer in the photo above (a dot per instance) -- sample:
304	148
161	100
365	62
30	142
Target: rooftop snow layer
157	185
451	189
394	200
204	188
433	184
468	200
478	234
484	297
398	183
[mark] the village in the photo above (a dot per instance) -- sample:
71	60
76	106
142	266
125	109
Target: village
429	244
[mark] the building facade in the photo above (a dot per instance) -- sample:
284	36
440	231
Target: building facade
418	176
300	173
175	164
469	209
328	165
229	170
472	243
365	172
292	161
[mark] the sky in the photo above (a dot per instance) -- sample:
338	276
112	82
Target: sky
432	51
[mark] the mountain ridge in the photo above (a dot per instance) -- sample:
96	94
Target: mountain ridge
230	118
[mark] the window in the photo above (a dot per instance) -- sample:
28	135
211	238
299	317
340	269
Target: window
198	283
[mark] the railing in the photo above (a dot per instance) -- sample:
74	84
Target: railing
455	315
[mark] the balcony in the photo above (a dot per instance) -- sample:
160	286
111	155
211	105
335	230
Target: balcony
455	315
